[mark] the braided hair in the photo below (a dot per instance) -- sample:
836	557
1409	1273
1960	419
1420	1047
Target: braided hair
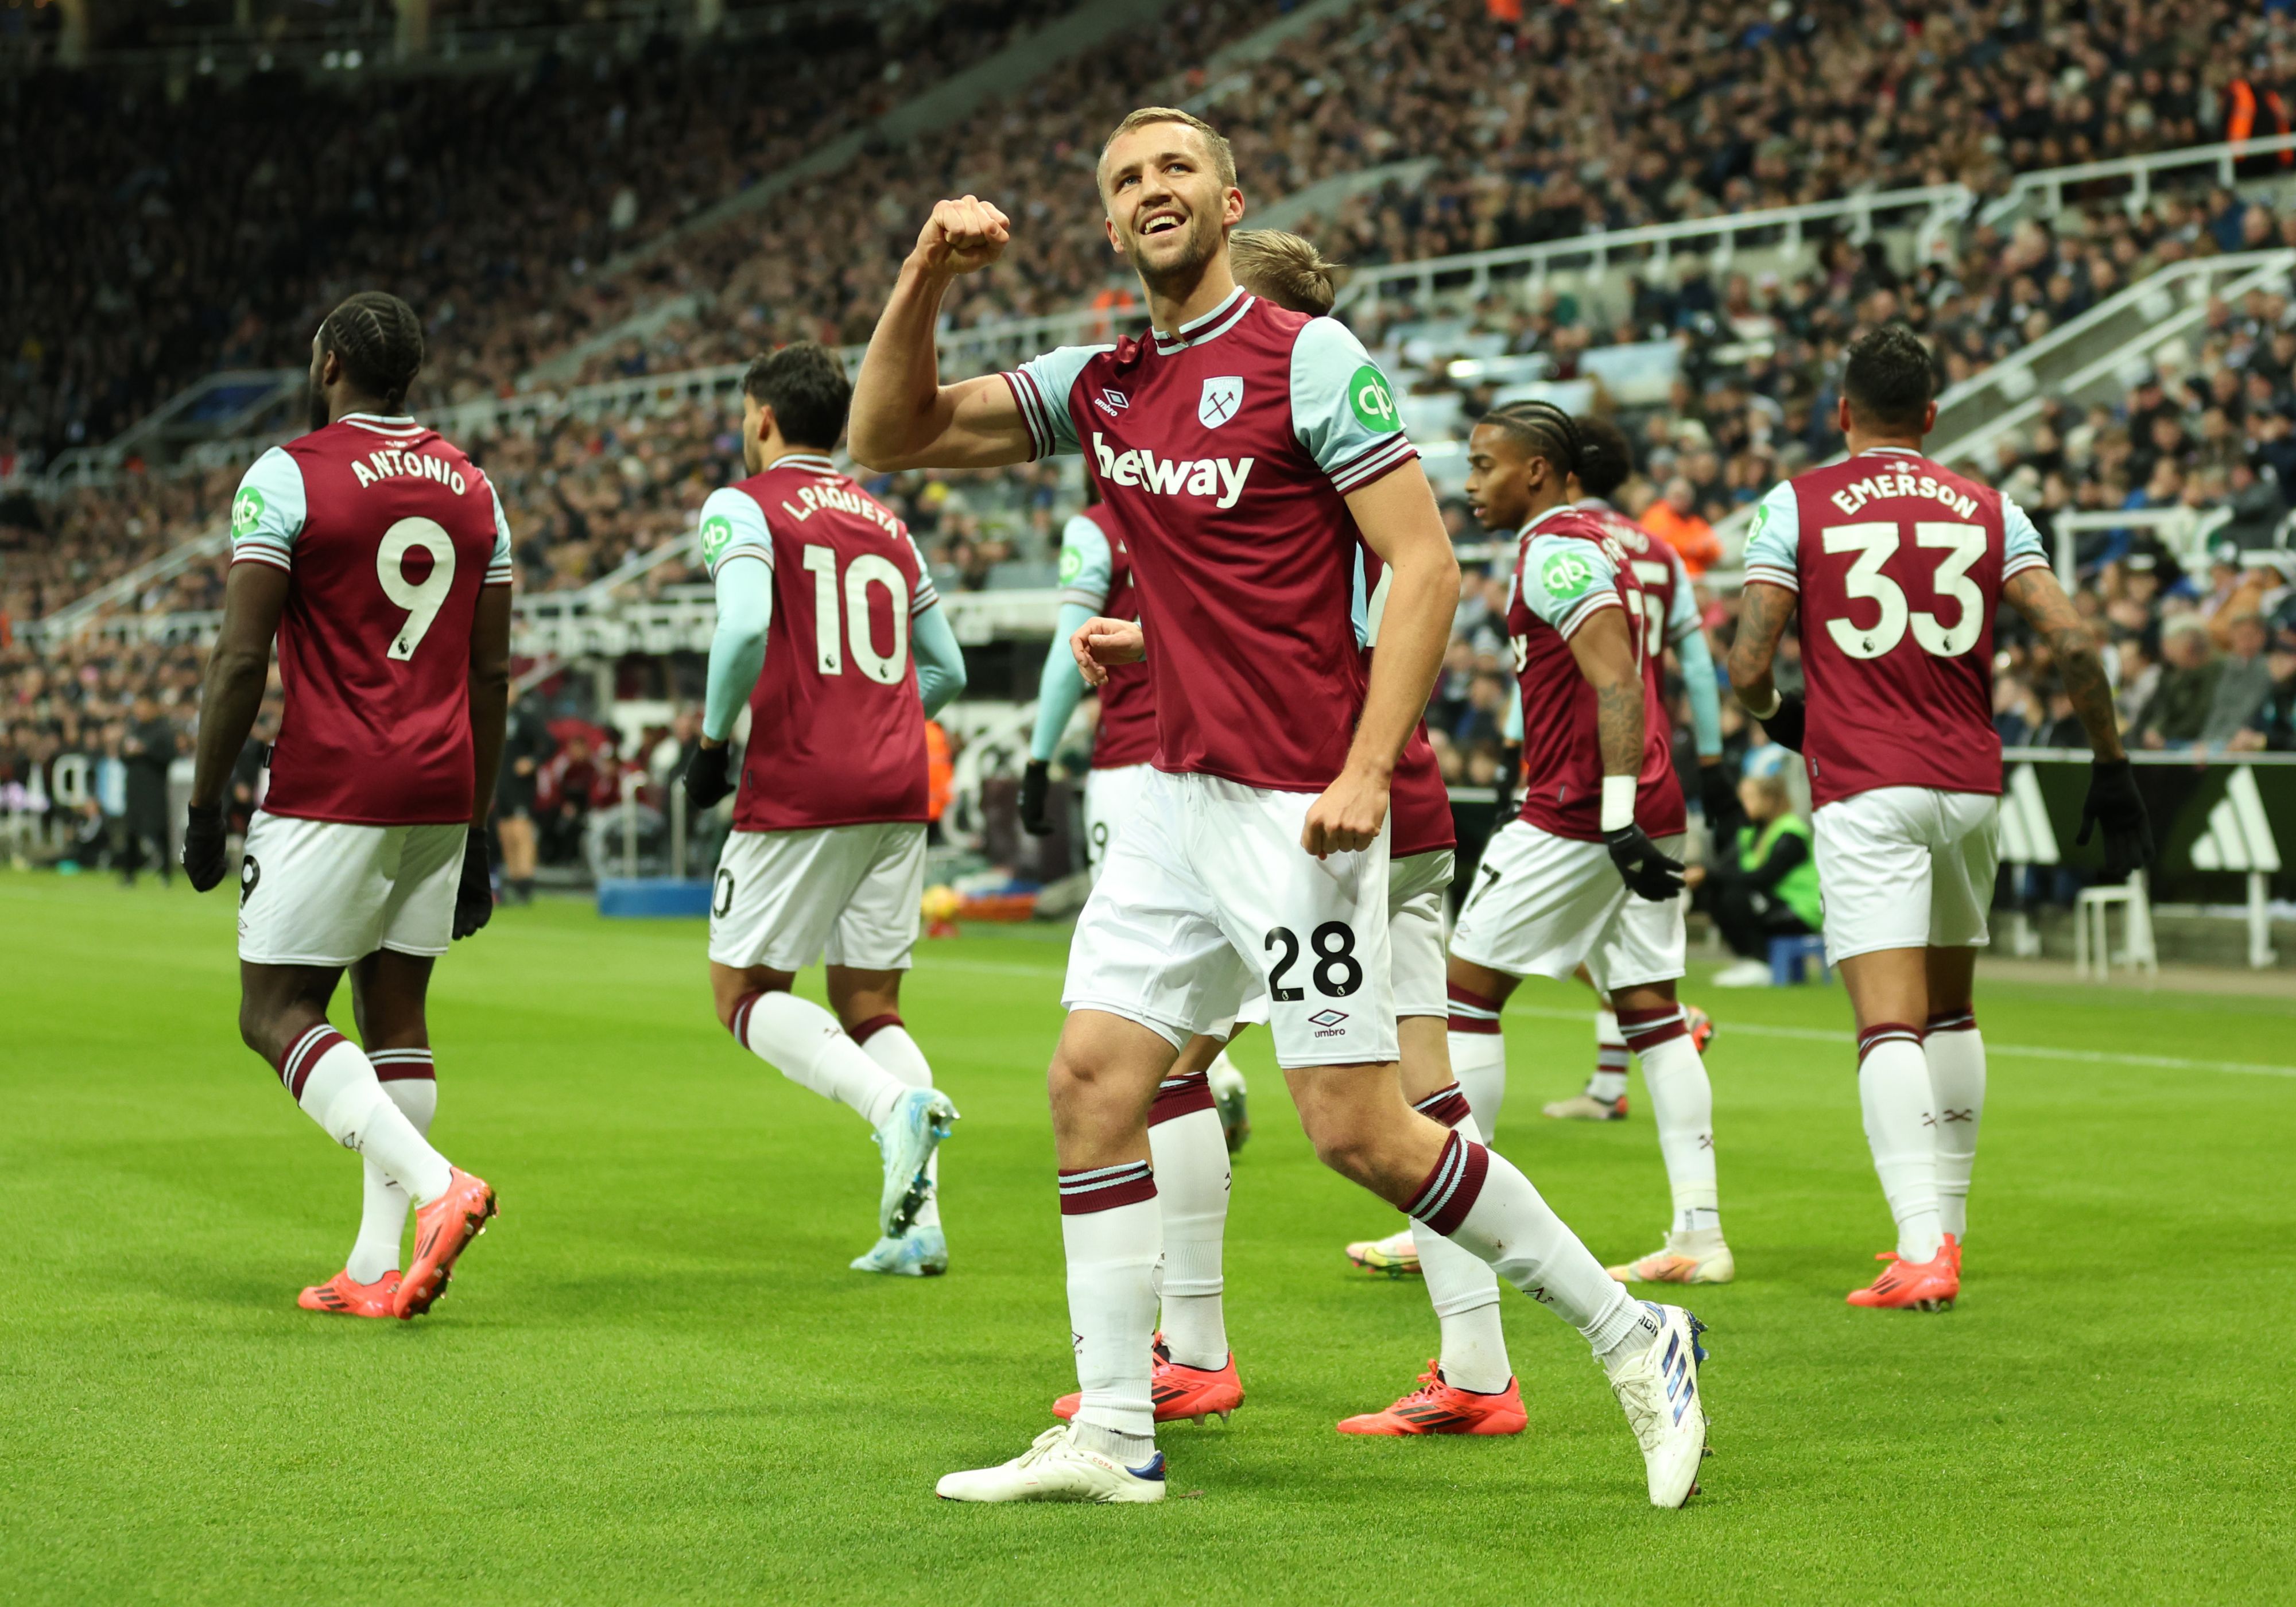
380	340
1542	429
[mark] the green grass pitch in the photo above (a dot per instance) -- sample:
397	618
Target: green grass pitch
655	1380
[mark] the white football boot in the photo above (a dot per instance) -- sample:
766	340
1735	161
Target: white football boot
1658	1391
921	1253
1396	1254
908	1140
1055	1468
1700	1257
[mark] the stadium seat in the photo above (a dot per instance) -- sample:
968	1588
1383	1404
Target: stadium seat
2092	933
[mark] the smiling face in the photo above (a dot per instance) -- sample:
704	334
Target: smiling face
1169	209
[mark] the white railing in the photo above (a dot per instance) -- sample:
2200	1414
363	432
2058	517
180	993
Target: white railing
2185	530
2044	189
74	616
1940	206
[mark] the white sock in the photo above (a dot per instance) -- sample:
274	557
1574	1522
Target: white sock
1465	1295
1113	1233
1893	1088
803	1042
1956	1053
335	1083
1682	1106
408	1076
1190	1155
1224	1075
887	1041
1476	1199
1478	1051
1609	1081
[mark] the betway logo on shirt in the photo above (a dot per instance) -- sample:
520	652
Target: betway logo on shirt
1220	478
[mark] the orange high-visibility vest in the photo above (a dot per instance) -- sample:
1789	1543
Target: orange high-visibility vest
941	770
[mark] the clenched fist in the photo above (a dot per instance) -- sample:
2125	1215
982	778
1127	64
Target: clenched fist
1100	643
964	235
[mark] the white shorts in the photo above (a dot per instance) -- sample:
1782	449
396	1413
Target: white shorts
1414	940
1207	894
323	892
1907	867
1543	904
1109	799
783	898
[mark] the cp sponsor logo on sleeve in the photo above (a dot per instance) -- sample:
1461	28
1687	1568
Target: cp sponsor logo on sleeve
1071	564
1372	402
1761	520
1565	575
1222	400
716	532
246	511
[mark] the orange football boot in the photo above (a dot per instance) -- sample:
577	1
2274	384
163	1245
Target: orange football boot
1953	1249
1179	1392
1436	1407
1905	1285
443	1229
346	1296
1701	1025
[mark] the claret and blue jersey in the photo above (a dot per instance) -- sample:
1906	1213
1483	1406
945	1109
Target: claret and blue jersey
1898	563
1226	451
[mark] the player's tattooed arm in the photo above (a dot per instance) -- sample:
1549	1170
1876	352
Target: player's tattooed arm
1605	653
903	416
2036	595
1763	611
238	669
490	696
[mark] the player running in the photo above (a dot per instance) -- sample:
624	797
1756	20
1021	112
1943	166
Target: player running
1469	1389
827	852
1899	565
1587	873
379	556
1245	451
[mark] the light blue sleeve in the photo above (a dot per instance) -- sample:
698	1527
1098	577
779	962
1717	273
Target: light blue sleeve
733	522
940	662
737	649
1699	680
1088	564
1773	544
1060	687
1567	582
1041	386
1511	723
1342	408
2021	547
268	511
498	569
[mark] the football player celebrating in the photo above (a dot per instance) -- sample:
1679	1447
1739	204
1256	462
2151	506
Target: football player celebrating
378	556
1586	873
1898	565
827	853
1245	451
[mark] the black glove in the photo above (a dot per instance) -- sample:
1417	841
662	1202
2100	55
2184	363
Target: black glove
1719	798
2112	802
1036	782
203	859
474	899
1648	873
1504	782
1784	724
707	781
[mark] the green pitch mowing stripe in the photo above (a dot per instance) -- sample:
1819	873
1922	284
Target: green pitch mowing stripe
654	1380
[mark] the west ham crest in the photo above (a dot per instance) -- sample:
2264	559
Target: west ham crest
1222	400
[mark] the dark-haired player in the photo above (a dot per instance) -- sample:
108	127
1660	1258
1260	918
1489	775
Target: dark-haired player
1245	451
1898	565
1669	620
829	630
379	556
1586	873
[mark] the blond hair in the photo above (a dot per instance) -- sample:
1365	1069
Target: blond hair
1223	153
1284	269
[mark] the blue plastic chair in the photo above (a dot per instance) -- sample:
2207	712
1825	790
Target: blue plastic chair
1790	958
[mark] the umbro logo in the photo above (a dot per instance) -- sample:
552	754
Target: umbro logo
1111	401
1328	1018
